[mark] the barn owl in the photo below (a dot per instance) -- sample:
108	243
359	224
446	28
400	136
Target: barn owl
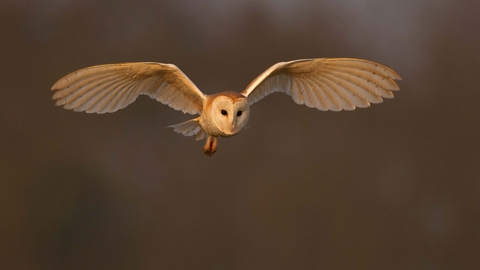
333	84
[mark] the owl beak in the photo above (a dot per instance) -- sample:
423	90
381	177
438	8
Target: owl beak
232	124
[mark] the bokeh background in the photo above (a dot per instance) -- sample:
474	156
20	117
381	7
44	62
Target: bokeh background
394	186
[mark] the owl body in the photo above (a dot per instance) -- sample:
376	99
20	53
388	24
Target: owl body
324	83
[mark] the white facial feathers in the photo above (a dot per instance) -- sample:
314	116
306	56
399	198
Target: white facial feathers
226	113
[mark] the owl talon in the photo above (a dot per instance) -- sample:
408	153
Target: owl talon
210	146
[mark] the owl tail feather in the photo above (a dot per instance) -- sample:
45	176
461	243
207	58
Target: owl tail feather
190	128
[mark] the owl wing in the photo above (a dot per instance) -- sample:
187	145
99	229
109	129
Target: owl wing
108	88
326	83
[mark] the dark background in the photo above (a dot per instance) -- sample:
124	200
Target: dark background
394	186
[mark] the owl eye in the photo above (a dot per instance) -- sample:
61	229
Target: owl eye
224	112
239	113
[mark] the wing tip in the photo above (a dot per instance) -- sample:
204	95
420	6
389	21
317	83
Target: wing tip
58	85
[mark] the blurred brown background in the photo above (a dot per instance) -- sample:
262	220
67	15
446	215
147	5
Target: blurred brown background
394	186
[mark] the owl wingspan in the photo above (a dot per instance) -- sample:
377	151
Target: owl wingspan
108	88
326	83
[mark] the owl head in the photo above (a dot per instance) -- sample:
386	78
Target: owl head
229	112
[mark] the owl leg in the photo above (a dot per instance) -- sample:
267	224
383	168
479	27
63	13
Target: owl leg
210	146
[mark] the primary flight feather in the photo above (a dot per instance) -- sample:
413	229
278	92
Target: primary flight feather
324	83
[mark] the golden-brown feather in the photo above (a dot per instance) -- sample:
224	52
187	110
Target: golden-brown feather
107	88
327	83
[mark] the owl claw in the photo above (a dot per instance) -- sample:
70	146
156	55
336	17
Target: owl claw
210	146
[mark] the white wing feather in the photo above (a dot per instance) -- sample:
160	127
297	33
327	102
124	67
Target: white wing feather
108	88
327	83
